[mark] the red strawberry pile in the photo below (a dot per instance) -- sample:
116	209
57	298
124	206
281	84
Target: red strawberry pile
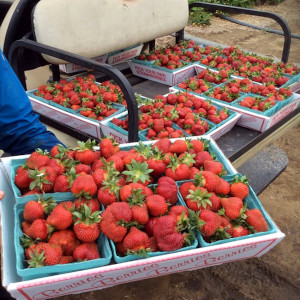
195	85
214	77
182	109
84	94
257	103
60	233
221	207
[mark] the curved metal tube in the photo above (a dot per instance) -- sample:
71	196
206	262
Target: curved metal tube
132	107
240	10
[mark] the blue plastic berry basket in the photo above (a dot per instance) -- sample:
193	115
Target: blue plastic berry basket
33	273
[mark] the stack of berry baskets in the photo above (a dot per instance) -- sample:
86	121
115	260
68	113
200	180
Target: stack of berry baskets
174	115
107	177
83	96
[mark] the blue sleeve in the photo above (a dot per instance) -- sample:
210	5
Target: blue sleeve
21	131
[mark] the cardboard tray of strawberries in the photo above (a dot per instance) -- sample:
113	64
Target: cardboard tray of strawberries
78	102
173	115
139	188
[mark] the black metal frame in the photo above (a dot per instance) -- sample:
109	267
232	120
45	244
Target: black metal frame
240	10
15	59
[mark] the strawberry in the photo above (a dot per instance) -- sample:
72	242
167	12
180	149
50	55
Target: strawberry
213	166
179	211
149	226
166	234
240	187
239	230
83	168
84	185
43	178
92	203
163	145
38	229
114	219
109	192
136	242
66	260
198	199
57	165
223	187
86	226
177	170
212	222
179	146
256	219
137	172
86	251
207	180
66	239
45	254
108	147
84	152
36	209
156	163
22	179
156	205
37	159
201	157
232	207
117	162
167	188
61	217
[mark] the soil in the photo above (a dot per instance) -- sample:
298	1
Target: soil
275	275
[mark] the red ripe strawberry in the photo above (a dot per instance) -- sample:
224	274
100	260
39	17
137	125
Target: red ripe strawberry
185	189
167	188
158	125
57	165
83	168
149	226
211	180
108	147
37	209
163	145
37	159
66	239
58	151
108	194
197	145
66	260
201	157
213	166
118	163
86	251
84	185
212	222
38	229
84	152
86	226
232	207
140	213
157	205
256	219
22	179
179	211
45	254
166	234
239	230
61	217
61	184
239	187
136	241
33	210
92	203
198	199
43	178
223	187
215	202
179	146
110	223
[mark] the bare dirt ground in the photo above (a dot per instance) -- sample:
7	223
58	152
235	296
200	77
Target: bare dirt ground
276	274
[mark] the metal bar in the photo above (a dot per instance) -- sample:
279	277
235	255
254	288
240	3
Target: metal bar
112	72
240	10
179	36
152	45
55	72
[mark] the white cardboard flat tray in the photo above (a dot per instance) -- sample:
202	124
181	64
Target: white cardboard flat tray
114	274
254	120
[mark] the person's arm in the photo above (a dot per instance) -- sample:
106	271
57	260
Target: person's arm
21	131
1	195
